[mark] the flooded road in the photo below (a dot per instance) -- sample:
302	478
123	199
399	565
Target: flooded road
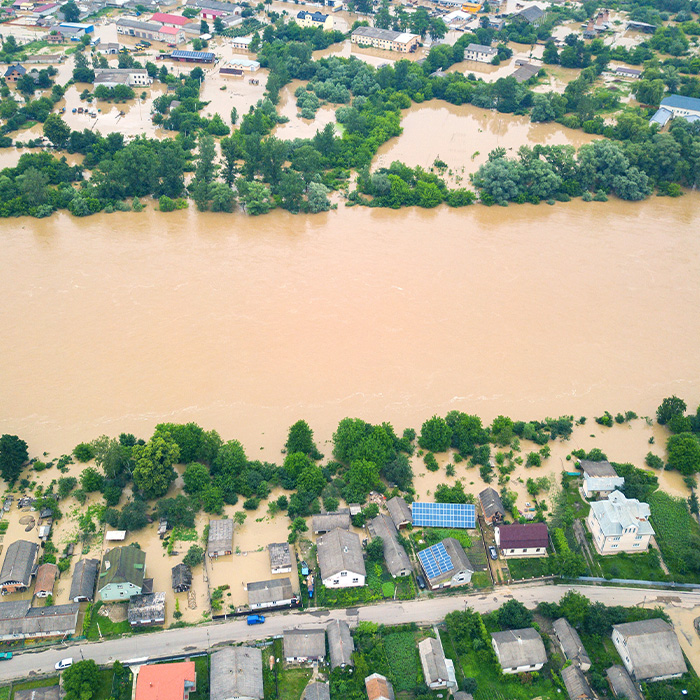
117	322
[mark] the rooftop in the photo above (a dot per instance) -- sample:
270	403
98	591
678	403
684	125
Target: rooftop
165	18
220	534
145	609
681	102
280	555
523	536
19	563
432	659
325	522
653	648
339	550
266	592
395	556
123	565
622	684
570	642
316	691
602	468
399	511
340	643
617	512
521	647
480	48
304	643
491	502
236	672
45	578
576	684
384	34
378	687
165	681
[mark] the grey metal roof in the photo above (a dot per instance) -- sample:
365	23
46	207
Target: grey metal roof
316	691
525	72
521	647
399	511
14	609
325	522
576	684
136	24
304	643
145	609
214	5
395	556
276	590
531	14
432	659
491	502
481	48
653	648
52	620
220	536
280	555
339	550
681	102
340	643
84	578
618	512
622	684
383	34
570	642
19	563
661	117
116	75
236	672
379	687
601	468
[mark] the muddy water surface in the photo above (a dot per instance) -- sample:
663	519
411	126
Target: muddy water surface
117	322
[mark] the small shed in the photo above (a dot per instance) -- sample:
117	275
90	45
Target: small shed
316	691
45	580
280	557
576	684
181	576
146	610
325	522
399	511
220	542
340	644
82	587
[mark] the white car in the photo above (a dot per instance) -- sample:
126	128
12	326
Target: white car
64	663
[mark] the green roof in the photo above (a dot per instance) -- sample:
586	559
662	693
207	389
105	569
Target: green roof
123	565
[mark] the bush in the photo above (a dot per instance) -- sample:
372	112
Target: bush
194	556
167	204
84	452
430	462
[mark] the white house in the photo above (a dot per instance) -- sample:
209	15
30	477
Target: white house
649	650
133	77
438	670
620	524
599	478
479	52
519	651
522	540
339	554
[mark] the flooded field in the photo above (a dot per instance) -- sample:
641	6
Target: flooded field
463	136
526	311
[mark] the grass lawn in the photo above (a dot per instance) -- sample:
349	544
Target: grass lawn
601	650
201	667
5	693
105	689
292	682
644	566
480	579
29	685
106	627
528	568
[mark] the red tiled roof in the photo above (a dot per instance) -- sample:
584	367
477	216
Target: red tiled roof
169	30
170	19
164	681
523	536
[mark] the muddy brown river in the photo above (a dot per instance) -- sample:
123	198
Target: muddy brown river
117	322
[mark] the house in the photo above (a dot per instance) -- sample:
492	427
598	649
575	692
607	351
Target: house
491	506
529	540
624	72
325	522
115	535
399	511
238	66
315	19
446	564
576	684
45	580
82	587
519	651
14	73
438	670
18	567
110	48
220	541
641	27
304	645
236	674
397	561
167	20
133	77
340	644
379	687
649	650
122	574
497	23
532	15
280	558
385	39
599	478
271	594
622	685
166	681
20	621
571	644
212	15
340	559
241	43
227	7
525	72
316	691
681	106
181	577
620	524
151	31
193	56
479	52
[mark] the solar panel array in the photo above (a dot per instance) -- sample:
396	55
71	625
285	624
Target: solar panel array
435	560
458	515
201	55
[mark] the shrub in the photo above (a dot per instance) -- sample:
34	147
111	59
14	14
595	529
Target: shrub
84	452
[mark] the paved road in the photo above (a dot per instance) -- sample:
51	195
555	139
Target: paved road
429	610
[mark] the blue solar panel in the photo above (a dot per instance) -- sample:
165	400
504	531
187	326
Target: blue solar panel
435	560
459	515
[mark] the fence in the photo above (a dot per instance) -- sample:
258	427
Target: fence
638	582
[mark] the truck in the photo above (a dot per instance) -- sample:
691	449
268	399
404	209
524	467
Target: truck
255	619
5	655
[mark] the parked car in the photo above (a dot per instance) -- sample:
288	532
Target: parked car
421	582
64	663
256	619
5	656
493	553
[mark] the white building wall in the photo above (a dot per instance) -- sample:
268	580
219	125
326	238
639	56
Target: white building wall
345	579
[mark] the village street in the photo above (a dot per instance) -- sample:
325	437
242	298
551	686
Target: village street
178	642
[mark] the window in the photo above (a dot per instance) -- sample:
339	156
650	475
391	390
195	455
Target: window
355	580
615	539
638	537
636	544
614	546
343	573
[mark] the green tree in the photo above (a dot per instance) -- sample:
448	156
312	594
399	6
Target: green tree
196	478
257	199
70	11
375	550
81	681
33	185
154	471
435	435
194	556
301	439
514	615
311	480
308	162
684	453
56	130
222	197
91	480
13	454
318	198
670	407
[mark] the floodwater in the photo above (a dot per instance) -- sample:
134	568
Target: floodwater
463	136
117	322
296	127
